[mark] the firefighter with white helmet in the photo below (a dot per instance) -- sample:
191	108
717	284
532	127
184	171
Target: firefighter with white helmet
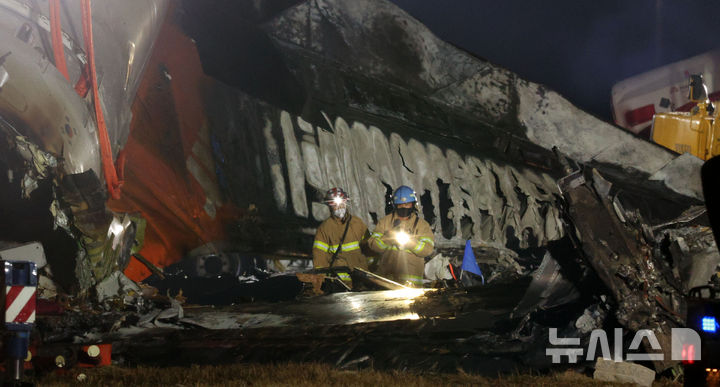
339	239
403	240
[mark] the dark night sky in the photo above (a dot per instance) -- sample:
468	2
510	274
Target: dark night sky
579	48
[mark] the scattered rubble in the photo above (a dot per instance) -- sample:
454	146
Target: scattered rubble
117	286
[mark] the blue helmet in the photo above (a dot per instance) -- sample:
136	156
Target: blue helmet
404	194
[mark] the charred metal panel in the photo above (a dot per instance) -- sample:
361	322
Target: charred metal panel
368	57
123	33
299	160
646	297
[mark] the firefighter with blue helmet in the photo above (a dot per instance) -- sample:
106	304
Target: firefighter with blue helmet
403	240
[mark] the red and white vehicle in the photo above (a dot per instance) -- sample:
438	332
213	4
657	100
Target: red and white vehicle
636	99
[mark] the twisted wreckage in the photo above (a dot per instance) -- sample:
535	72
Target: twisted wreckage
122	156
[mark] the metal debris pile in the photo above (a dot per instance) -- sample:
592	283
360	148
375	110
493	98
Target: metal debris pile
611	270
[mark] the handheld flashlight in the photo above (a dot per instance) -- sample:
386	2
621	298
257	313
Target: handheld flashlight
402	238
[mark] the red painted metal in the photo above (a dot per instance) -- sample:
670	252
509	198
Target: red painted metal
56	35
111	178
169	122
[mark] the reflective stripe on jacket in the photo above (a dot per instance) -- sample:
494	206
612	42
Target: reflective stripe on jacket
327	241
331	248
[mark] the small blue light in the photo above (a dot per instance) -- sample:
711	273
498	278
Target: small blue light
709	324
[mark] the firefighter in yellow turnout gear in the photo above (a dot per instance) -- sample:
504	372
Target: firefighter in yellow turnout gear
403	240
329	241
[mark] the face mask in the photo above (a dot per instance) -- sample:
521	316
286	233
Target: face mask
403	212
339	213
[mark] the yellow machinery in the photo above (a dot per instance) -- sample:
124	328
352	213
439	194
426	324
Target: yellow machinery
696	132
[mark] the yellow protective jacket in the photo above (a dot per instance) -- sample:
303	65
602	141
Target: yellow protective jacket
404	264
327	240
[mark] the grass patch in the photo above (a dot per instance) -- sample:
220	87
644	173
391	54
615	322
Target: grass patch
296	374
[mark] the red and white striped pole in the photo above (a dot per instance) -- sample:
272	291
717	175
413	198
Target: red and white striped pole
20	279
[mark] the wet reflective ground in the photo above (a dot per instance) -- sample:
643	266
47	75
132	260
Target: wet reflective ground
353	308
417	329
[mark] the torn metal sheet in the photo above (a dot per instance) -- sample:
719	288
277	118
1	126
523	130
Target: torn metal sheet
175	311
693	253
645	297
61	218
115	286
109	249
548	288
687	216
39	164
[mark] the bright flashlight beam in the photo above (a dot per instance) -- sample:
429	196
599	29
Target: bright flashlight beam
402	238
337	200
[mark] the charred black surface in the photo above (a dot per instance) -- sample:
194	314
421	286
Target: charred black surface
399	345
226	289
446	223
427	208
458	330
238	49
389	206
